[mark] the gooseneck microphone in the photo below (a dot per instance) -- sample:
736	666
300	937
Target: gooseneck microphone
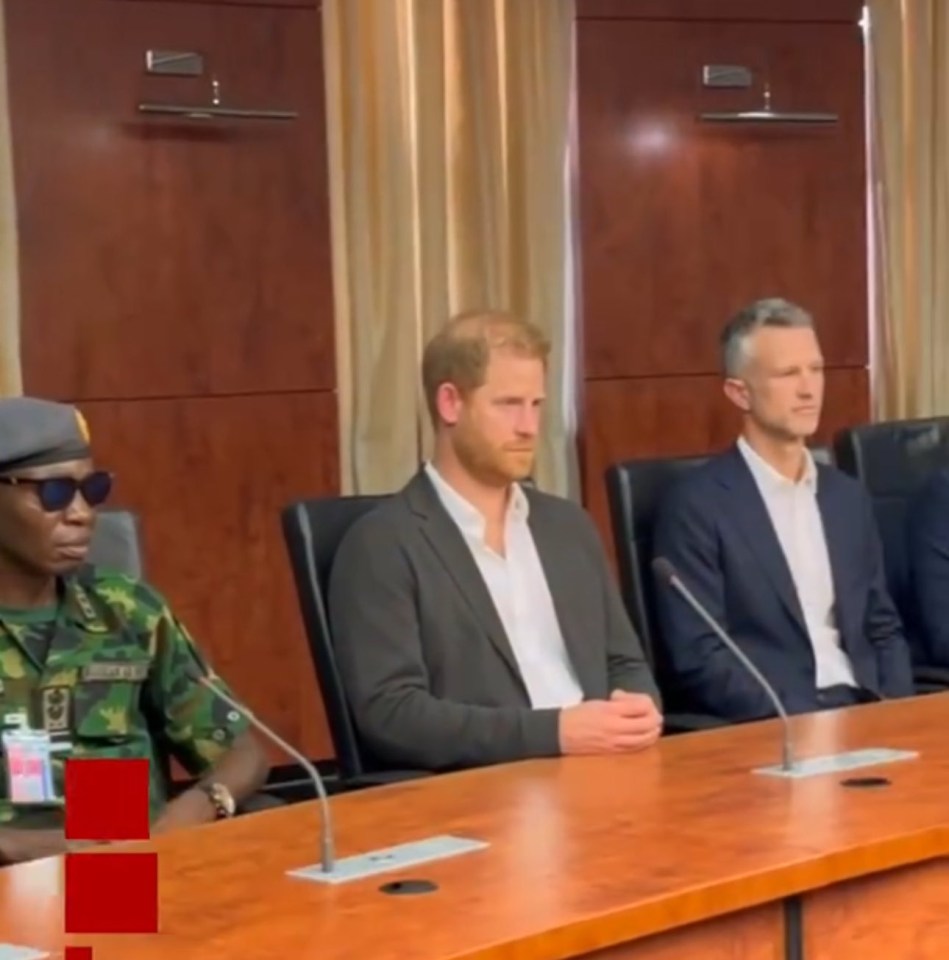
327	855
667	573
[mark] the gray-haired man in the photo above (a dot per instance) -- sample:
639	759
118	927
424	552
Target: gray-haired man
782	551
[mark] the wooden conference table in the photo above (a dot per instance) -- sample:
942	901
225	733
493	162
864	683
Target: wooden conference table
678	853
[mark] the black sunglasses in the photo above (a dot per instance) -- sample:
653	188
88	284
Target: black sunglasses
57	493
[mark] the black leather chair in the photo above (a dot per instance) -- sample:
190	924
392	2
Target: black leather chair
634	489
893	460
313	531
117	545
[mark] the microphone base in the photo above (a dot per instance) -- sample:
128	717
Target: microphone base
837	763
11	951
364	865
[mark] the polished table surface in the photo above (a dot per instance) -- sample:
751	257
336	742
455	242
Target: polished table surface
584	853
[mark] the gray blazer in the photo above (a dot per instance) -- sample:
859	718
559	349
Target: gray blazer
428	669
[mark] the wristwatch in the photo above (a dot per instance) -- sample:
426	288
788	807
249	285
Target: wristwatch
221	798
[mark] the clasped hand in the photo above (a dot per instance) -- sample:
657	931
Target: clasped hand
624	723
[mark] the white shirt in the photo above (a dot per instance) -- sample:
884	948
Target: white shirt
518	587
795	516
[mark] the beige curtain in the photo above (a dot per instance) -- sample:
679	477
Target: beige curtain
909	75
10	383
449	124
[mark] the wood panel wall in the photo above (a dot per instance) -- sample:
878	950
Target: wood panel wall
176	284
684	222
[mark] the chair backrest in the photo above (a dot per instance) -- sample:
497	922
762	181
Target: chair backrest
893	460
634	490
117	543
313	531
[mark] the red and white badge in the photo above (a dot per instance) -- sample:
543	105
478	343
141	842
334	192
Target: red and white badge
29	768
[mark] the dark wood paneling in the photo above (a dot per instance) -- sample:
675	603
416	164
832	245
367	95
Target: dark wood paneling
681	416
208	478
901	913
240	3
839	11
162	257
683	222
176	282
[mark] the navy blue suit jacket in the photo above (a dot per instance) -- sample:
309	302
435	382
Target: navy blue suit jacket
927	547
714	528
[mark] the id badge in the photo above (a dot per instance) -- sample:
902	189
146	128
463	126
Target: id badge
27	754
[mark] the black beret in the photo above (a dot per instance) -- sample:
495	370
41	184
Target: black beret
36	432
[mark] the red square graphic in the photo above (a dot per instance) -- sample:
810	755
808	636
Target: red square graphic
78	953
111	893
106	799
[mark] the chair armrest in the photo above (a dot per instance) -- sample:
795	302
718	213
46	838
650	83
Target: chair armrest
382	777
692	722
262	800
257	802
930	679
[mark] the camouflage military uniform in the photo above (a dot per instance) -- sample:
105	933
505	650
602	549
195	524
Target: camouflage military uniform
105	672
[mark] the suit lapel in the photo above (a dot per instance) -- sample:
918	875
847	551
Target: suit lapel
446	540
560	572
751	516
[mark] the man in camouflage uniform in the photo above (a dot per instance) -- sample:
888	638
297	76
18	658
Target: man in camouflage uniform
92	660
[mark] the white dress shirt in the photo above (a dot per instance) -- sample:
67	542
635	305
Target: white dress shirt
795	516
518	587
